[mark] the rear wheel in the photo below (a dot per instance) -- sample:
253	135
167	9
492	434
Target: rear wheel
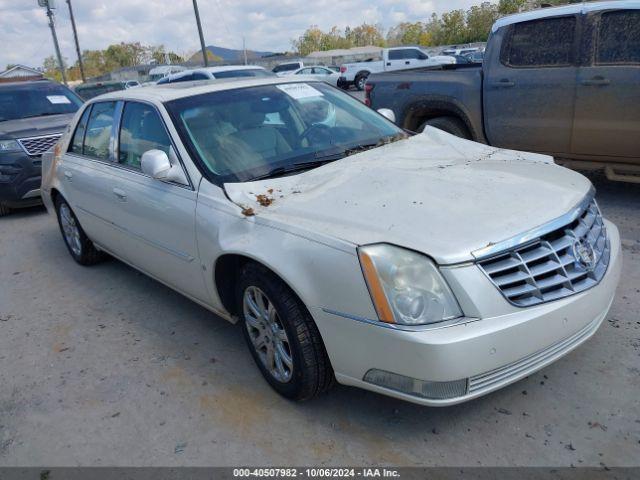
361	80
282	337
80	247
4	210
451	125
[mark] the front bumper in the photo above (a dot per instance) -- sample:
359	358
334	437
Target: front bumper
23	187
488	352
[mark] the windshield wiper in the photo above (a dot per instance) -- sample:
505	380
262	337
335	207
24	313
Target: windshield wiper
43	114
319	160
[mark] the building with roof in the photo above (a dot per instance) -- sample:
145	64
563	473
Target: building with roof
20	73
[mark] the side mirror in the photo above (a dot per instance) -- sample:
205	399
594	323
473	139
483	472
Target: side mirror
156	164
388	114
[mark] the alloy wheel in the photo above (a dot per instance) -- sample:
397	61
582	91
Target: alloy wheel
70	229
267	334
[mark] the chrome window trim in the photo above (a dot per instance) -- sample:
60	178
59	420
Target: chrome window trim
533	234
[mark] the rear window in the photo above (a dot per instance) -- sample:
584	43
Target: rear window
242	73
36	99
287	67
541	43
90	91
619	38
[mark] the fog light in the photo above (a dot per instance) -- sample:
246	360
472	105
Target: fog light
415	387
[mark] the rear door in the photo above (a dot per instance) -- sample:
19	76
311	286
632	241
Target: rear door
529	86
87	184
395	59
607	118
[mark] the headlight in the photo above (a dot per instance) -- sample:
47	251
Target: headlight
406	287
9	146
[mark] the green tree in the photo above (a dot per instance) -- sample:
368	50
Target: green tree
479	21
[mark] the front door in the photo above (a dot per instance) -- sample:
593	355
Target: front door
529	86
156	219
607	119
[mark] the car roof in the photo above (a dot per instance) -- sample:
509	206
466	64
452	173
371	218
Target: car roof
173	91
213	70
571	9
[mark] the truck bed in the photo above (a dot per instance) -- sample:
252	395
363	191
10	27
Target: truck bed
448	86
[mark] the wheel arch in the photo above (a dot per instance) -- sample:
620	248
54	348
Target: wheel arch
433	106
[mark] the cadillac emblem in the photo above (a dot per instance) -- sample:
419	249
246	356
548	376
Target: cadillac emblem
584	254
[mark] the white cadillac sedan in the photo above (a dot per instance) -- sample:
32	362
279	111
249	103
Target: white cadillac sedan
424	267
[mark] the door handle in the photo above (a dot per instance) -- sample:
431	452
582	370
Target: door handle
407	62
597	81
388	64
68	175
504	83
121	194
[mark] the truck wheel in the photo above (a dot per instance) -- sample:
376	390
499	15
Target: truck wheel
282	337
4	210
451	125
361	80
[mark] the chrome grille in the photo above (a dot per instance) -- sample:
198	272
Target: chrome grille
36	146
563	262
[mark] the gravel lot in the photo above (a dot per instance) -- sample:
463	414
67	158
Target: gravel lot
104	366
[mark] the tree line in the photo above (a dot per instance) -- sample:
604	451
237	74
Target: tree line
451	28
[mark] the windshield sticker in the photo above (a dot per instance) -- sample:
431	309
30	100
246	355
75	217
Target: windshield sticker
299	90
58	99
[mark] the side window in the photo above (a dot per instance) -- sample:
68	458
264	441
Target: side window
78	136
619	38
412	54
98	136
199	76
141	129
541	43
396	54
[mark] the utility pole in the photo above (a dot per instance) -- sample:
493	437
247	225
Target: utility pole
75	37
244	49
202	47
46	3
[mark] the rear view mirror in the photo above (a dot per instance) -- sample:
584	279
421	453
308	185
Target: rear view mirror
156	164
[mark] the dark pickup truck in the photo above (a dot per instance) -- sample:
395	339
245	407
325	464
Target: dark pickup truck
563	81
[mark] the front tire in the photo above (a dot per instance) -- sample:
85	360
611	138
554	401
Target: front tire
80	247
281	335
4	210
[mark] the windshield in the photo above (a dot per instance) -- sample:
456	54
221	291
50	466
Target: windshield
36	100
243	134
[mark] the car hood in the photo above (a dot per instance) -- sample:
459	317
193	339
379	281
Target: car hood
35	126
434	193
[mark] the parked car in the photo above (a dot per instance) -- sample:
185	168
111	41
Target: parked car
398	58
459	51
561	81
93	89
287	68
320	73
428	268
162	71
32	118
211	73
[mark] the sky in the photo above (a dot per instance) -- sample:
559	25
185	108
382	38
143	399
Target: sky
267	25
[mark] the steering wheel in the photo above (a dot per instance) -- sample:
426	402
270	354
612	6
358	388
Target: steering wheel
316	126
